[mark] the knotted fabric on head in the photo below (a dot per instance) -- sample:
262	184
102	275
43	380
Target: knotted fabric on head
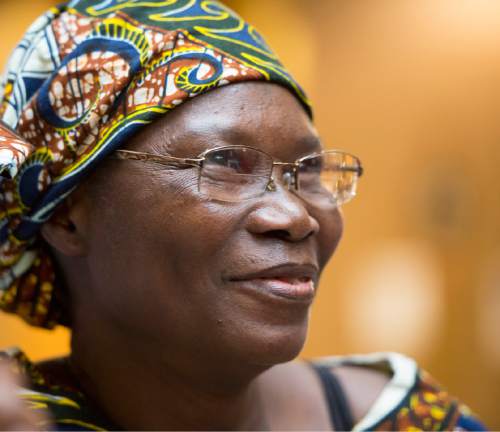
86	76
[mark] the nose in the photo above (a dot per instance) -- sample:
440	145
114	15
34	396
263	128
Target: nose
282	214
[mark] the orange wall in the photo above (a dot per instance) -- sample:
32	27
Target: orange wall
413	88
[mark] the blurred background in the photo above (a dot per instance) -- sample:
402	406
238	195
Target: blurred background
413	88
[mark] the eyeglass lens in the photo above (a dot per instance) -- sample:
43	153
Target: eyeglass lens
329	177
239	173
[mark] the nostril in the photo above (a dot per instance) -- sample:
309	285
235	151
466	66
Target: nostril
282	216
290	235
281	234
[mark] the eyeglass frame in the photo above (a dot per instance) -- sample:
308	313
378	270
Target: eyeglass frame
184	163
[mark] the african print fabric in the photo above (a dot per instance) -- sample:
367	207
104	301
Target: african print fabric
411	401
86	76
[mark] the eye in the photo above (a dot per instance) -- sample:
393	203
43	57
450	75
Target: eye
312	165
311	176
228	159
246	161
234	174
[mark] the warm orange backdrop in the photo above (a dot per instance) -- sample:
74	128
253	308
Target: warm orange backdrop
413	88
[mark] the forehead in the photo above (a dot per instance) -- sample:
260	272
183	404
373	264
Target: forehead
261	115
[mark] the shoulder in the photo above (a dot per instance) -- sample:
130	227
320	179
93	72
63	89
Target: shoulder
389	391
47	388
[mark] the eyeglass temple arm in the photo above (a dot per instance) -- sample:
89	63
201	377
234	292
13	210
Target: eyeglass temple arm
162	159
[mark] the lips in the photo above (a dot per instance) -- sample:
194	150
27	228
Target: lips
287	281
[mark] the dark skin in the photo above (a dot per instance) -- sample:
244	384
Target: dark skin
162	336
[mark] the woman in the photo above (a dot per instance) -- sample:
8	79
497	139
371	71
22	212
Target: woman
180	240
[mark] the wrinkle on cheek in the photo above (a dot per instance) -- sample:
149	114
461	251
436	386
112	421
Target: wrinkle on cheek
186	191
162	183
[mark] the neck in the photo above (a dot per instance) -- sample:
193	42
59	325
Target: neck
141	389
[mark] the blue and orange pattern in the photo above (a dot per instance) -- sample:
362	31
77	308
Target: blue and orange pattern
428	407
86	77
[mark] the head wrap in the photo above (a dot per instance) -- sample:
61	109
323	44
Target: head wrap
86	76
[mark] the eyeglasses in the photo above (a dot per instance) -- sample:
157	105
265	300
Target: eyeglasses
238	173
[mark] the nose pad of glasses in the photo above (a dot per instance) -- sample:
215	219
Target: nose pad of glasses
271	185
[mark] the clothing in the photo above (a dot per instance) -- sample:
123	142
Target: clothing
411	401
86	76
338	407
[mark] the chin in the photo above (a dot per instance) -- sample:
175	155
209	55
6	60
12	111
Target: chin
270	345
258	331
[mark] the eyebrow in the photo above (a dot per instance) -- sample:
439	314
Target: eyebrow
305	144
223	135
311	143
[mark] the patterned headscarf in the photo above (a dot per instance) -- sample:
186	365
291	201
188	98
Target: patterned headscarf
86	76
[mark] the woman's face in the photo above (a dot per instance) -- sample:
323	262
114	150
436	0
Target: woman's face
176	271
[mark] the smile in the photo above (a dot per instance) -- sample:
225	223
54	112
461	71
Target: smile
287	282
301	289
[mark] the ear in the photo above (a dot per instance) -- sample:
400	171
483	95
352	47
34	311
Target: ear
66	230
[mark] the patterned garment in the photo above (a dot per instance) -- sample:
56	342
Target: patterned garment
87	76
411	401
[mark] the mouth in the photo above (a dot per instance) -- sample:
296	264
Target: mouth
292	282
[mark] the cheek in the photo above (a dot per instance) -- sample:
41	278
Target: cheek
331	230
163	230
156	254
195	237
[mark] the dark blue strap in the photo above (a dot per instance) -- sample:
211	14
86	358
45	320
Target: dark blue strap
340	413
